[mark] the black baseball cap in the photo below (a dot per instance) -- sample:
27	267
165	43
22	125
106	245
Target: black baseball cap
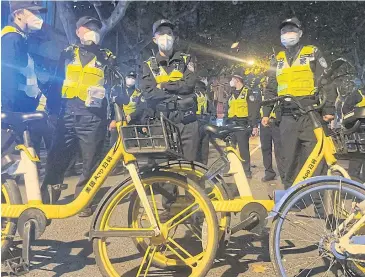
132	74
162	22
292	21
86	20
239	73
27	5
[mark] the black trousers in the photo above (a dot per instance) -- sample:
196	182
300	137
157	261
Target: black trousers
242	140
203	146
73	133
298	141
189	139
355	166
269	136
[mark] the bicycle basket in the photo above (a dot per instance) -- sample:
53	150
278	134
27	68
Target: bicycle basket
349	145
160	139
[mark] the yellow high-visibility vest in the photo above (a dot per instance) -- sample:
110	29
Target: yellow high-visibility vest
362	102
31	86
297	79
161	75
202	100
79	79
132	105
238	107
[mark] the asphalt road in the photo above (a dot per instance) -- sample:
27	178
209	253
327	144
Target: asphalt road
63	250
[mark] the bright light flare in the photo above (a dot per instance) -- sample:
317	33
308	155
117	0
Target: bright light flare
235	45
250	62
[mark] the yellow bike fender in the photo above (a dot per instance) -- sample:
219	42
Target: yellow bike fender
235	151
22	147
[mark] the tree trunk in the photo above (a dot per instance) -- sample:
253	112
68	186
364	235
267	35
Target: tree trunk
68	20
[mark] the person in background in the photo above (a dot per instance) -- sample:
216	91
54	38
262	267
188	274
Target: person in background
206	113
243	109
84	82
20	90
168	83
356	99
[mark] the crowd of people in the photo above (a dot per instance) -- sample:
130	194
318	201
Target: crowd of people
79	96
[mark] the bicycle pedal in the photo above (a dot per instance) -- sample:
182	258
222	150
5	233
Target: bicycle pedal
16	266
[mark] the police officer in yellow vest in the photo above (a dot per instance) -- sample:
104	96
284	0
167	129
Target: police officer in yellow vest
168	84
205	113
79	99
356	99
295	71
243	108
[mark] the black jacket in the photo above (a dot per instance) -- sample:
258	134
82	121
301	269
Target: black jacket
182	88
14	55
317	66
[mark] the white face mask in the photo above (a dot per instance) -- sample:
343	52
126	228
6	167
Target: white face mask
34	22
91	37
130	82
232	83
165	42
290	39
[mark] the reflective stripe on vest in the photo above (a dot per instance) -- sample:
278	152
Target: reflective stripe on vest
272	114
132	105
162	77
202	100
78	79
31	86
362	102
238	107
297	79
42	103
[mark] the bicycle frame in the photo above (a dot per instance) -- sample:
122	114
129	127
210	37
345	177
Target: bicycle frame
116	153
324	148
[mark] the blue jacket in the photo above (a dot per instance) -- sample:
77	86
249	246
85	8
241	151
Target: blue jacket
14	55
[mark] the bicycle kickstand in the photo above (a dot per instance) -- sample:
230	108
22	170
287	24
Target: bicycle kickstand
20	265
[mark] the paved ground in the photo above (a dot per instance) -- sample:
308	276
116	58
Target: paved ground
64	251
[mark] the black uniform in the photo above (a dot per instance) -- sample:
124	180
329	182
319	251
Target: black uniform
356	165
296	131
250	121
78	126
175	98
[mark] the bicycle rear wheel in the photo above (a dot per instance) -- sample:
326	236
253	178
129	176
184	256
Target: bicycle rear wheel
189	231
10	194
303	235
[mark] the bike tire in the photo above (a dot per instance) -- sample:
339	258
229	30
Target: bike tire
274	239
205	261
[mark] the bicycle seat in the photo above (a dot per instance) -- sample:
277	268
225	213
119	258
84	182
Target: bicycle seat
20	120
222	131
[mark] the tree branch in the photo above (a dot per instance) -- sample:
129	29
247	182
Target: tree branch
176	19
68	20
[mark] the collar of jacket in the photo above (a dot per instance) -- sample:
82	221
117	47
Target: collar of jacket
293	51
176	56
18	28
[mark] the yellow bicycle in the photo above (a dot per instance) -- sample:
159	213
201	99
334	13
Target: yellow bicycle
165	234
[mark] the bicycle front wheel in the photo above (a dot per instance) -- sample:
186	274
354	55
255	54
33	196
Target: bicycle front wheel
304	234
188	224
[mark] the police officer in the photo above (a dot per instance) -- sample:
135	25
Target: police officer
296	71
269	136
168	84
80	99
355	100
205	113
243	109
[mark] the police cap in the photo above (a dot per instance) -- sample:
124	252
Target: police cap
162	22
291	21
239	73
132	74
27	5
83	21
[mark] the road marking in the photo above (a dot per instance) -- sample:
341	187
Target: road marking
255	149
